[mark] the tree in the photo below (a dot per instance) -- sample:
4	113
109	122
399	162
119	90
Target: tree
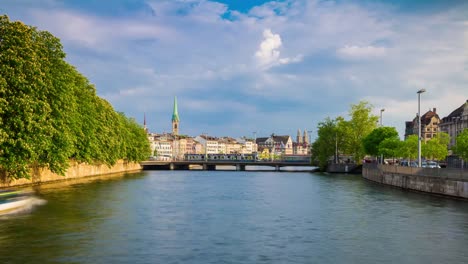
50	113
26	126
372	141
461	147
437	147
409	148
324	146
355	130
390	147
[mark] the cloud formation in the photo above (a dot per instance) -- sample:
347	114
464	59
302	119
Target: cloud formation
357	52
272	67
268	53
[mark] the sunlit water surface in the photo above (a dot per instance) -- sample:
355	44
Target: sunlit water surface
234	217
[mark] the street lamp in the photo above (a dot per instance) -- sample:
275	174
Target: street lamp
381	111
455	122
419	125
310	141
206	145
254	142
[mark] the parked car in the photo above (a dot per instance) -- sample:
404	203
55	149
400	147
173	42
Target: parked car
430	164
405	163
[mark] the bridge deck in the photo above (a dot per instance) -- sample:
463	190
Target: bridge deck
229	163
240	165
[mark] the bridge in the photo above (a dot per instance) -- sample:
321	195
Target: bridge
239	165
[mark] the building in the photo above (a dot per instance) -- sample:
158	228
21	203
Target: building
429	125
175	119
302	144
275	144
455	122
210	144
162	145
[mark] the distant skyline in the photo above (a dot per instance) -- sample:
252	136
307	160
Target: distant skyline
239	67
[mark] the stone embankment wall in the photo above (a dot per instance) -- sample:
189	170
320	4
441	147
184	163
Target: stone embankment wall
452	182
341	168
76	170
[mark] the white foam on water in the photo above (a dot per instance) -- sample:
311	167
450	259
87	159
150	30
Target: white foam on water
31	204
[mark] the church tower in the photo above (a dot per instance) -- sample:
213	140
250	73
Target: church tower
175	119
298	137
144	123
306	137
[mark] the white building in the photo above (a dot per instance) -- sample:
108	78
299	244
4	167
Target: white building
210	144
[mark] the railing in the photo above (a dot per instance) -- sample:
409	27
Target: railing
442	173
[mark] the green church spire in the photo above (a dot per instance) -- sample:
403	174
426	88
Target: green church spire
175	114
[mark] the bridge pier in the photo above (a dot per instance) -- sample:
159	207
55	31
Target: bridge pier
208	167
240	167
277	168
173	166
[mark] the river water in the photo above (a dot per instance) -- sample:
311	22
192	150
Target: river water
234	217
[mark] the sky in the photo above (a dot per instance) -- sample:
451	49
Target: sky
239	67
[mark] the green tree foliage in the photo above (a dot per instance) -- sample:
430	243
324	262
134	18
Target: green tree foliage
409	148
324	146
390	147
50	113
437	147
372	141
461	147
361	124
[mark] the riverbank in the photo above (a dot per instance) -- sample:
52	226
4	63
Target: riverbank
450	182
75	171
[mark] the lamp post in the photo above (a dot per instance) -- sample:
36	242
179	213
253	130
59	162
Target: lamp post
455	122
255	142
381	111
336	147
381	124
309	148
419	125
206	144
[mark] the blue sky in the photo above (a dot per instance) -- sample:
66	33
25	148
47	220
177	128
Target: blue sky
239	66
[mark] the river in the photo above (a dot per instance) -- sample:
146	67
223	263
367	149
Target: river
234	217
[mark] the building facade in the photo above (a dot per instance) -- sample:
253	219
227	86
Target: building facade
455	122
275	144
429	125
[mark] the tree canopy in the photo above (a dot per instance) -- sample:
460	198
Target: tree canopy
361	124
461	147
409	148
344	136
324	146
372	141
437	147
50	113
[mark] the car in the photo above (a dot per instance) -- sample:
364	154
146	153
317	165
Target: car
430	164
405	163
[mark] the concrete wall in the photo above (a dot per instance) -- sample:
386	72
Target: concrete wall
439	181
341	168
76	170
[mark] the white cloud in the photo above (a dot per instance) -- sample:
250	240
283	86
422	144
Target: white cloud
361	52
268	53
187	48
95	32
